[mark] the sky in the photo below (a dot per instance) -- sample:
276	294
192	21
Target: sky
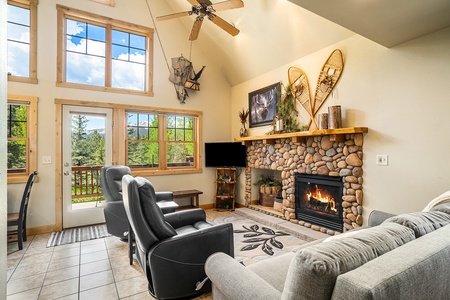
86	56
18	48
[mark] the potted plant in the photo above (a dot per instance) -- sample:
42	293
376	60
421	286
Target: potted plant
268	189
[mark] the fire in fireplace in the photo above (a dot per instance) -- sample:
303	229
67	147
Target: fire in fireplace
318	200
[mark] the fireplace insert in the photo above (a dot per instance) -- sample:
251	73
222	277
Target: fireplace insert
318	200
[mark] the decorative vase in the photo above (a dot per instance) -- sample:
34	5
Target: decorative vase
243	132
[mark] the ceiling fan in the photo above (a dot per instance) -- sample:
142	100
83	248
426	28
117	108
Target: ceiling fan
204	8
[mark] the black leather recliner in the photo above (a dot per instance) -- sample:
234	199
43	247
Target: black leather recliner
172	248
115	215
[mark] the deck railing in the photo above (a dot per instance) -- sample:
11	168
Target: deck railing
86	182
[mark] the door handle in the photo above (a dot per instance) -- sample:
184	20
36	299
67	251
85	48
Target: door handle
66	173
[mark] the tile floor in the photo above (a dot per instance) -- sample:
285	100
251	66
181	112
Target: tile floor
95	269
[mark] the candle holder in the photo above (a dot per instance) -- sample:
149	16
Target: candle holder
334	117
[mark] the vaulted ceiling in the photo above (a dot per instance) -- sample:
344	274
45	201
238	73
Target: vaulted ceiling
276	32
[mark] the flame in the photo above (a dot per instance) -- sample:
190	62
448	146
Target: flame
317	195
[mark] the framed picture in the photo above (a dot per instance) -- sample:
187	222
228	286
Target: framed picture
263	105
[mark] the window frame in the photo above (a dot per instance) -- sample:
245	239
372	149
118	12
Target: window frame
64	13
120	134
106	2
32	6
31	156
163	167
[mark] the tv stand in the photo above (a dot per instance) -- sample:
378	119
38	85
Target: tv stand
225	188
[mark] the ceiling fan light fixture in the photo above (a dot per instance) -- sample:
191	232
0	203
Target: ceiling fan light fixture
204	8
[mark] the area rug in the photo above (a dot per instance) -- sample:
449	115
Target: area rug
254	241
77	235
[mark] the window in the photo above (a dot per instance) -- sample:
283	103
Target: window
21	40
180	141
143	140
162	142
21	137
103	54
152	140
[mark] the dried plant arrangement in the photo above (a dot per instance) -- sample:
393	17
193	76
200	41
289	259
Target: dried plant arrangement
287	109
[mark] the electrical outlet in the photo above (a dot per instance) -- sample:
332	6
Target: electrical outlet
382	160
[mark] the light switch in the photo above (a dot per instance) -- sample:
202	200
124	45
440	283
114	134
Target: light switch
382	160
46	159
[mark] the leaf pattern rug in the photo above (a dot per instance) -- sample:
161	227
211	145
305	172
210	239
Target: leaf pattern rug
254	241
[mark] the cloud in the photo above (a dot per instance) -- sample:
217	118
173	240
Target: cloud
19	59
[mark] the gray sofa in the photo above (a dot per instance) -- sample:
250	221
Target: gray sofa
397	257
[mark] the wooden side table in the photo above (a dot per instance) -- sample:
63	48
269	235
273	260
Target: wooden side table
193	194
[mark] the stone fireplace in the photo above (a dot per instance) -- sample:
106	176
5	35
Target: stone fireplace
338	157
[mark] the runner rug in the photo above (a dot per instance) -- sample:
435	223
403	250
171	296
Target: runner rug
77	235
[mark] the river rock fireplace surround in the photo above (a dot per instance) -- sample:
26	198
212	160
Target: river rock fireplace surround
337	153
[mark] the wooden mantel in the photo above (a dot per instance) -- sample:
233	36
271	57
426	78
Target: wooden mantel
300	136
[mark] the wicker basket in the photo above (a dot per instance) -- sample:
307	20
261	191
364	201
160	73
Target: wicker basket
278	204
266	199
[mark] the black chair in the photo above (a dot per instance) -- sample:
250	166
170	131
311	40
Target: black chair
172	248
115	216
19	220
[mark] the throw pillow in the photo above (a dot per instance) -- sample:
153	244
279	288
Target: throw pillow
444	207
313	271
421	222
444	198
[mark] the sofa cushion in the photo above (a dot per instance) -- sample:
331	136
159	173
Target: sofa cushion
273	270
421	222
313	271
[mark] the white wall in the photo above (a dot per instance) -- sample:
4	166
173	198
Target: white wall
213	99
401	95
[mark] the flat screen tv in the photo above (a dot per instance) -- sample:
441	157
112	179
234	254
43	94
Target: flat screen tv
225	154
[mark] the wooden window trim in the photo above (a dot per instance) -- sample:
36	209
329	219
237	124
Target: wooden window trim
32	6
106	2
66	12
32	136
120	131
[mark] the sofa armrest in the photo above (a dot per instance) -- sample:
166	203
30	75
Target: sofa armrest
185	217
235	281
377	217
197	245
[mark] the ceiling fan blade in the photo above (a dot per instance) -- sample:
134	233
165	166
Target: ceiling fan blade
223	24
173	16
194	2
228	5
196	28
